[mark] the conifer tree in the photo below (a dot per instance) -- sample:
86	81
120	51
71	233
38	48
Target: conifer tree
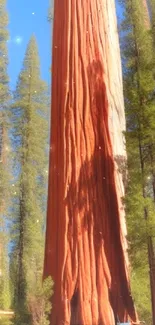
30	109
138	60
4	166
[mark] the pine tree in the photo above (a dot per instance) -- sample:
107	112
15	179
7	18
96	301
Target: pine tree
4	166
30	109
137	49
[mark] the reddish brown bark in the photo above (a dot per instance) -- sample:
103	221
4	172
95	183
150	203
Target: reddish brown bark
146	14
85	239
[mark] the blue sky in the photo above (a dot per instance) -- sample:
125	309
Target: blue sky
118	9
27	17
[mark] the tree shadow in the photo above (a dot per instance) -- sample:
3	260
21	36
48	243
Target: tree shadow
92	200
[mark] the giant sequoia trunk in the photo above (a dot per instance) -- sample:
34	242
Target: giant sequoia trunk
85	240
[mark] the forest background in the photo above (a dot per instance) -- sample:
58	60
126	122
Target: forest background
25	74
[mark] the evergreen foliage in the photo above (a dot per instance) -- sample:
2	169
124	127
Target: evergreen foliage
29	129
4	158
40	304
139	85
27	126
30	134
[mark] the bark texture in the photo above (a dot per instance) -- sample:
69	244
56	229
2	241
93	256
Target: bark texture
85	240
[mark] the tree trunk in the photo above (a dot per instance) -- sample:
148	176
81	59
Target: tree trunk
85	239
151	259
146	14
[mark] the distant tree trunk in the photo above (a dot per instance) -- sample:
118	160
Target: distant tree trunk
146	14
151	258
85	239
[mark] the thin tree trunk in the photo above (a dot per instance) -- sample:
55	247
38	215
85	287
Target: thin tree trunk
151	259
85	239
20	285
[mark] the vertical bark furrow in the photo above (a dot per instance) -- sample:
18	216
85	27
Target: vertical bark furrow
85	240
